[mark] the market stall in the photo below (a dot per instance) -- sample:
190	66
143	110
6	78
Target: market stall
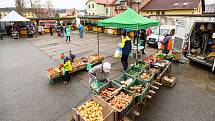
126	92
129	20
13	16
57	74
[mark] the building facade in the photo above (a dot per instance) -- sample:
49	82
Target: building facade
174	7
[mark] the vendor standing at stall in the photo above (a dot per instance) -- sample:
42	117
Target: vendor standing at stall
166	44
126	50
100	73
67	67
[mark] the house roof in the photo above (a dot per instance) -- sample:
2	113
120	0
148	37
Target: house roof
105	2
171	4
210	8
8	9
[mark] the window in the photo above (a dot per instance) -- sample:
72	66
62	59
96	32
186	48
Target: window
158	13
93	13
147	12
88	6
163	13
92	5
151	12
172	33
89	14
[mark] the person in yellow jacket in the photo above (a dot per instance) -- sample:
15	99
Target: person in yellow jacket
67	67
126	50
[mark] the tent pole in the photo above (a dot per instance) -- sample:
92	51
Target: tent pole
98	39
137	44
158	39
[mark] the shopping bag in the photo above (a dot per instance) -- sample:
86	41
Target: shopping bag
96	85
63	71
118	53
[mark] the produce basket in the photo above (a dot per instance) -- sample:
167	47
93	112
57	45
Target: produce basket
124	80
134	71
140	64
143	89
108	90
107	111
124	109
146	76
93	59
156	70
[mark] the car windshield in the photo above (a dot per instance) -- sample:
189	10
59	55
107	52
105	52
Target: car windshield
162	31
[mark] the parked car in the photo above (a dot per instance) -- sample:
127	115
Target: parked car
158	35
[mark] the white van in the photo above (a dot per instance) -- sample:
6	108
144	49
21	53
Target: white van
152	40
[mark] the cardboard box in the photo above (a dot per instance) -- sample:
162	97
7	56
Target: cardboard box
107	112
168	81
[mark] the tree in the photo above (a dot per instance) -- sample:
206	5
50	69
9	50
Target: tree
35	6
20	6
49	6
57	16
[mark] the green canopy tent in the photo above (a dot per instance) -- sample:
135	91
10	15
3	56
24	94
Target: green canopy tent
128	20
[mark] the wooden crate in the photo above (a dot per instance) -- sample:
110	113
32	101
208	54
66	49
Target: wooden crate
168	81
107	112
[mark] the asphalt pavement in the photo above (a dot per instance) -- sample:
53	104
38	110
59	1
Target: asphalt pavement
26	95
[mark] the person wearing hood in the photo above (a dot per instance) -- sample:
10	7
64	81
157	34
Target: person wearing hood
68	33
100	73
67	67
126	50
166	44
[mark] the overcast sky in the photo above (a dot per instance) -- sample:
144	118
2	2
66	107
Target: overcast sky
78	4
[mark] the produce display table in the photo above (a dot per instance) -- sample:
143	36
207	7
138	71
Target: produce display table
125	93
56	74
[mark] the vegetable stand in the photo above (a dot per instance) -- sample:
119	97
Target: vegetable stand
126	92
56	74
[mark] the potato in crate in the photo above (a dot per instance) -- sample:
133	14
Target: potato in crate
94	109
139	90
146	76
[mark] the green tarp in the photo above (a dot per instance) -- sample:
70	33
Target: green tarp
129	20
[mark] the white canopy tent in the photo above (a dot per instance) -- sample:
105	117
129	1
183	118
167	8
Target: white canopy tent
13	16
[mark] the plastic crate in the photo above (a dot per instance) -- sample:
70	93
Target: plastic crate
134	69
122	77
119	114
150	79
110	84
140	64
139	97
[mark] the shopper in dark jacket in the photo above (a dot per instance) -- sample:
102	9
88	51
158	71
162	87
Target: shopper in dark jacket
50	29
136	35
143	36
126	49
